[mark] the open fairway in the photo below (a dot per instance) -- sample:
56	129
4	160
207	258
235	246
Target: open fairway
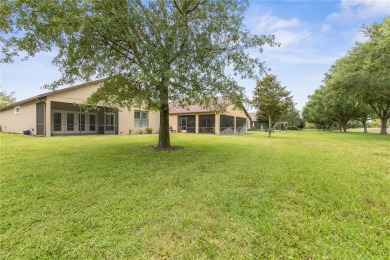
299	194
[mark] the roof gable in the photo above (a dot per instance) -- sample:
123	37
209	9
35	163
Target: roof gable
44	95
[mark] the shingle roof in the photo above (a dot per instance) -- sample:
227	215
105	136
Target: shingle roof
175	108
34	98
252	116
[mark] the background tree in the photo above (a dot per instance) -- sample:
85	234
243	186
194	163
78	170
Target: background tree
293	118
365	70
331	105
314	110
6	99
262	119
339	105
357	85
271	99
150	52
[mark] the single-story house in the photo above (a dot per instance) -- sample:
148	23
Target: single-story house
254	123
224	118
58	113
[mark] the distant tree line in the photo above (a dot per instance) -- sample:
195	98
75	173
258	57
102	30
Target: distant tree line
357	87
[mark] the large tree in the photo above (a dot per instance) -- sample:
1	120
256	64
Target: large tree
365	71
271	99
339	105
150	52
331	105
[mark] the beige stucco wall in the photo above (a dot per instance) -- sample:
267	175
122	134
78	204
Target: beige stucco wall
231	111
16	123
126	121
173	122
77	95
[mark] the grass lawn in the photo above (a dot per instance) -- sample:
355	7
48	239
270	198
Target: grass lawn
297	195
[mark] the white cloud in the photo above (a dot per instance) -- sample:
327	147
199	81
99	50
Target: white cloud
350	10
287	38
272	23
325	28
286	31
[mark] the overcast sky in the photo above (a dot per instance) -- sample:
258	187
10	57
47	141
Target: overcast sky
313	35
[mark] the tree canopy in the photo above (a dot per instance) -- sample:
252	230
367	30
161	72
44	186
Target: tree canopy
358	84
150	52
6	99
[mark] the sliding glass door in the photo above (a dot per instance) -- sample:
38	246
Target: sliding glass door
68	122
109	123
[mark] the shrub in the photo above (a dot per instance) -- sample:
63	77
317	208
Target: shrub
292	128
130	131
310	126
149	130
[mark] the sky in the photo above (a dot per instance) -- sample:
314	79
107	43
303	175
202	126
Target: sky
312	34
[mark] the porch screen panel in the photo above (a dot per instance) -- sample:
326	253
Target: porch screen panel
92	122
227	124
207	124
40	118
57	121
110	122
240	125
69	122
82	122
179	124
191	124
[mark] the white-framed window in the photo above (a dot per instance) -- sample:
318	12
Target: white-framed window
17	110
141	119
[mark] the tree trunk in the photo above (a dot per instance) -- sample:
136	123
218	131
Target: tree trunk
269	126
344	126
383	125
364	125
383	114
164	141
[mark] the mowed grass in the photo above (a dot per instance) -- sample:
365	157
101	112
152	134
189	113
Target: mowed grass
297	195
